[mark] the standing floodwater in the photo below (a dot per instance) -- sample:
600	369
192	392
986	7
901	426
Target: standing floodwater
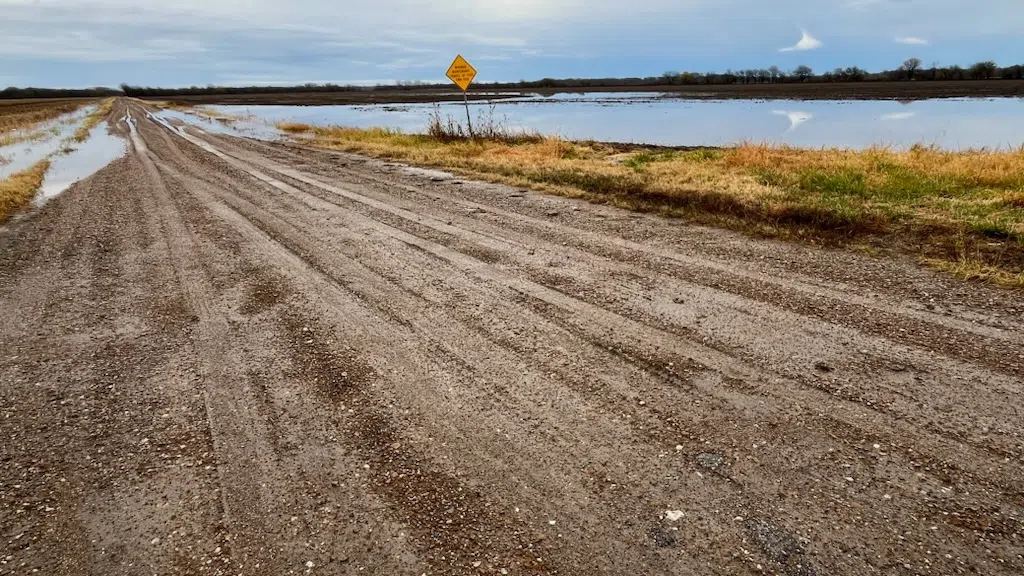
671	121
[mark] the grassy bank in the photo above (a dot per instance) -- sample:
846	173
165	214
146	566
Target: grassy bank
17	191
959	211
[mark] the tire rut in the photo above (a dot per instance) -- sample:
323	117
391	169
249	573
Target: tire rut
408	241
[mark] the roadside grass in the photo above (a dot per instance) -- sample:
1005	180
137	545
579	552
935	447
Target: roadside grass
17	191
294	127
486	127
94	118
962	211
17	121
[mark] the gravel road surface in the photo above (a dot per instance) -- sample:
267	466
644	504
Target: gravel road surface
224	356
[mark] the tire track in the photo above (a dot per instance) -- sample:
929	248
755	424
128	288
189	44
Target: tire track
387	231
797	292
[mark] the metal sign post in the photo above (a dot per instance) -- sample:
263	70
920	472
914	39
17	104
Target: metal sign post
462	74
469	122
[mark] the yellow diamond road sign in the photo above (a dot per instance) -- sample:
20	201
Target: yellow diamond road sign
461	73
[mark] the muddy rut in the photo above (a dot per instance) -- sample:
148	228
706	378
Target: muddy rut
224	356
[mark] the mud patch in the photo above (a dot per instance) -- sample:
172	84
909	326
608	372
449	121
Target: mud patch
662	537
781	547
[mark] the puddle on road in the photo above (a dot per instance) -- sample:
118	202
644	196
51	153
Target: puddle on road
88	158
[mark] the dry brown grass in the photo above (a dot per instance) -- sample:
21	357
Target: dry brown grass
294	127
971	269
17	191
1013	199
90	122
962	208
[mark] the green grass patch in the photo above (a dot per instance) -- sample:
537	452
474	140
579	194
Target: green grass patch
836	183
640	160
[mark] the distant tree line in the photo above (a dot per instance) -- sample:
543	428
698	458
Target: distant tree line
151	92
911	70
12	92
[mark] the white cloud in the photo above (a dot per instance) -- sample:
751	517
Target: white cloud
807	42
911	40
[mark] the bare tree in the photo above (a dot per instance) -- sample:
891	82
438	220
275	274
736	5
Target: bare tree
775	73
911	66
953	72
803	72
854	74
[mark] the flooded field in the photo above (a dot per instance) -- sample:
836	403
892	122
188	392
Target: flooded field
86	158
672	121
39	142
57	153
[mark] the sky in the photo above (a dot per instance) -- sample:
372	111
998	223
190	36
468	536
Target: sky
79	43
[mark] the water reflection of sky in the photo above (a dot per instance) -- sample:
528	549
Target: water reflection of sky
259	127
950	123
23	155
88	157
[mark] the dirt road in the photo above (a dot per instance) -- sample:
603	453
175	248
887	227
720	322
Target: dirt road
222	356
